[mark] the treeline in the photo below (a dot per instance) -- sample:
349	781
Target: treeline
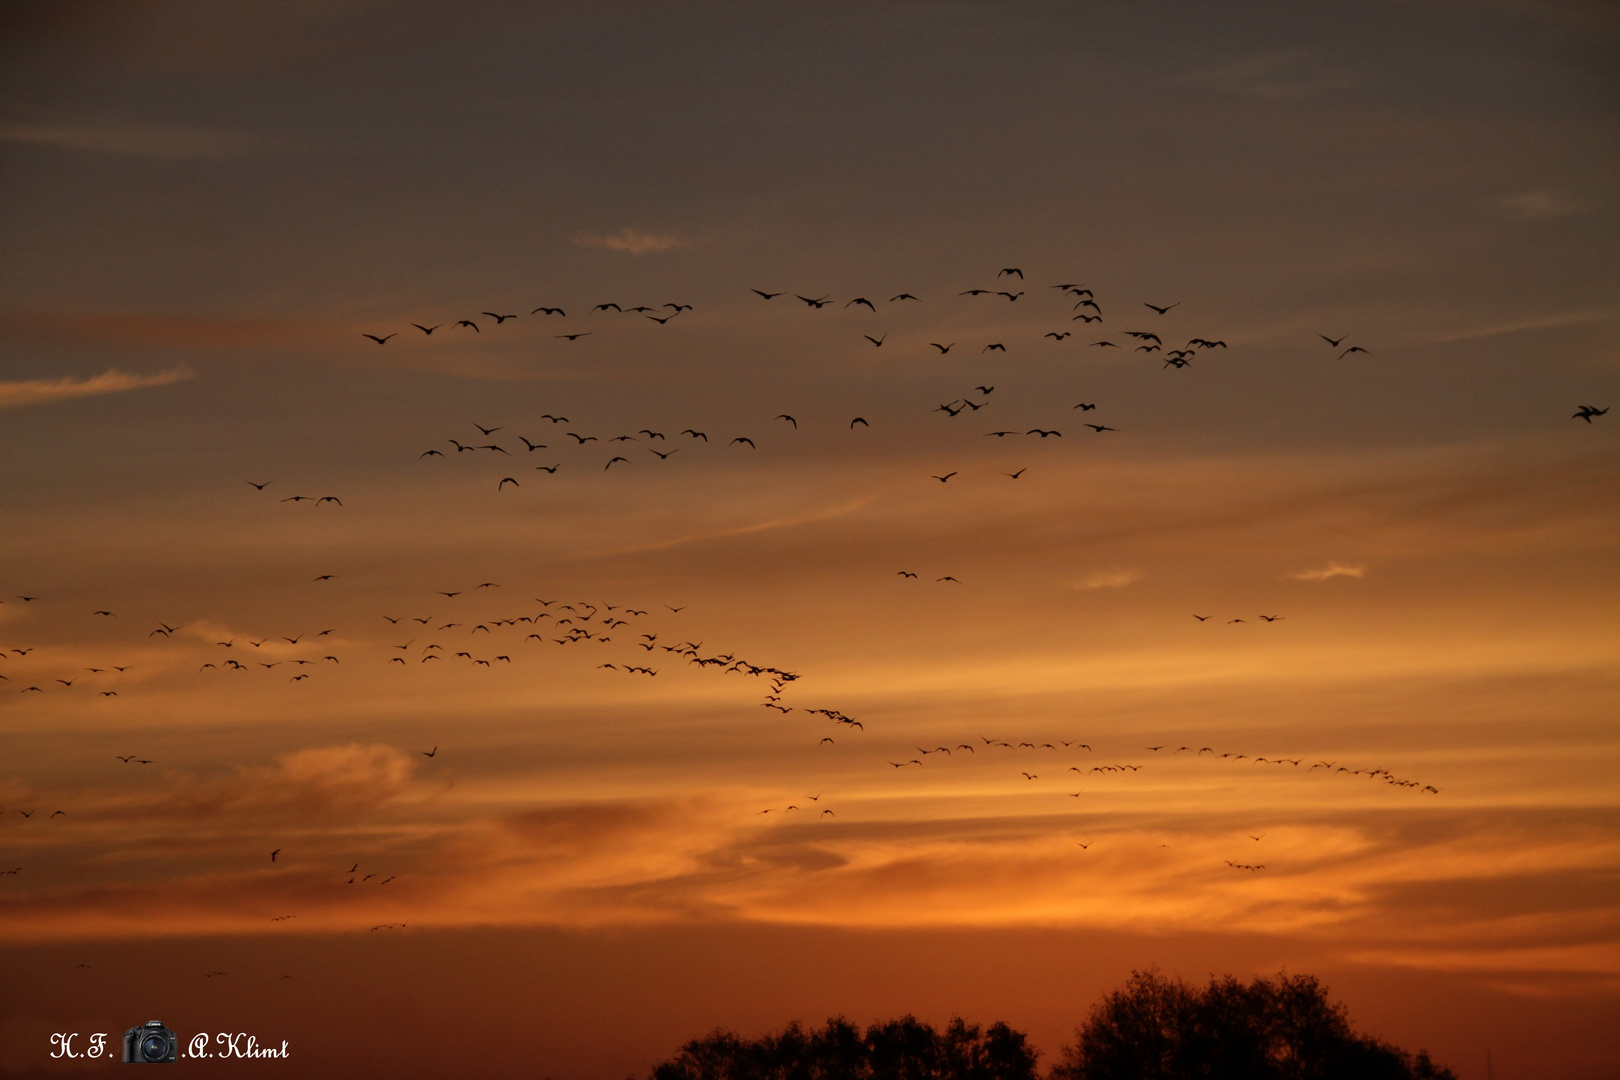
1153	1028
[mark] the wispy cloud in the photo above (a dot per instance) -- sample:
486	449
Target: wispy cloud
1519	326
154	142
1537	205
112	381
1109	579
1331	570
631	241
1292	73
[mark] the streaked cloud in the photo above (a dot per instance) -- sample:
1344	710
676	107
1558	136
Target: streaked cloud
1108	579
137	141
1331	570
1537	205
112	381
631	241
1291	73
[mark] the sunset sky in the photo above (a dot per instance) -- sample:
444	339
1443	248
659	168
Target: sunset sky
1405	556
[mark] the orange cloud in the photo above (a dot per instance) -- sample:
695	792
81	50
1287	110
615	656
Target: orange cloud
631	241
112	381
1331	570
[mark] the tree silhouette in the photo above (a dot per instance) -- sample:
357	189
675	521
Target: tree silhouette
1270	1029
1153	1028
903	1049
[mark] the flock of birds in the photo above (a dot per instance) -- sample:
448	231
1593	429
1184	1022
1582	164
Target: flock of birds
453	634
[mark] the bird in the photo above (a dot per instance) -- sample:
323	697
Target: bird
1586	412
1351	349
1100	428
947	577
498	318
604	307
985	389
997	346
789	419
862	300
379	340
1203	618
1162	310
904	573
1044	434
1331	341
1273	618
1086	406
943	349
1104	344
575	337
274	853
328	499
427	329
817	304
506	480
661	320
876	341
609	465
1016	475
258	486
742	439
765	295
429	753
903	296
469	322
974	292
861	420
696	434
549	311
1011	270
947	476
1058	337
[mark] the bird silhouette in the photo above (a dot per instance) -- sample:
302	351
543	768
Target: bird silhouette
379	340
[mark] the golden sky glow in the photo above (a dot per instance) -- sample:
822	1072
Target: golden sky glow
1386	754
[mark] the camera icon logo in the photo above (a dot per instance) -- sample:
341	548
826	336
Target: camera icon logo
150	1043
